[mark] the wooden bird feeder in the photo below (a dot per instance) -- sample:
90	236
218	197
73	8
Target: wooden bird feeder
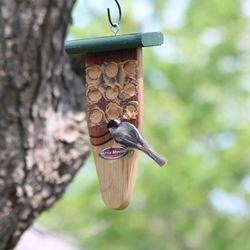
114	90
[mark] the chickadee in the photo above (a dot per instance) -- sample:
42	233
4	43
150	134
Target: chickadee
128	135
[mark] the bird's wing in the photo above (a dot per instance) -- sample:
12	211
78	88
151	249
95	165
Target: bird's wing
127	140
135	134
131	142
139	138
133	138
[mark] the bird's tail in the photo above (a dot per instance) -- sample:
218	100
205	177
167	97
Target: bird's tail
160	160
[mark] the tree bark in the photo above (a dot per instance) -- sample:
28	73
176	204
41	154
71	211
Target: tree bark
43	133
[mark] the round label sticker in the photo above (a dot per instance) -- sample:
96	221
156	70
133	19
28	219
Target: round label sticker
112	153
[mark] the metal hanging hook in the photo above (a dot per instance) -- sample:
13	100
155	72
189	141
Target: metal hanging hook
115	25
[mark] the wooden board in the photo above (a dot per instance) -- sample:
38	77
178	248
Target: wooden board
116	177
114	91
110	43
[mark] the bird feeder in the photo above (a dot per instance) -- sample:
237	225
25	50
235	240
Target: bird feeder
114	90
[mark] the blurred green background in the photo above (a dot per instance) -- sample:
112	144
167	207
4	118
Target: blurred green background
197	112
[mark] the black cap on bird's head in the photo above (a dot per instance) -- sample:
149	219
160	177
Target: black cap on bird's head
113	124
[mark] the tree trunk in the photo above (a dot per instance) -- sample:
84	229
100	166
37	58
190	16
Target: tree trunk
43	133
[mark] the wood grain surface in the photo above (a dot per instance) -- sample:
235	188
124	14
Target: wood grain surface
116	177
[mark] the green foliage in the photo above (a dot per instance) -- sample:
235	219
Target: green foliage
197	113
